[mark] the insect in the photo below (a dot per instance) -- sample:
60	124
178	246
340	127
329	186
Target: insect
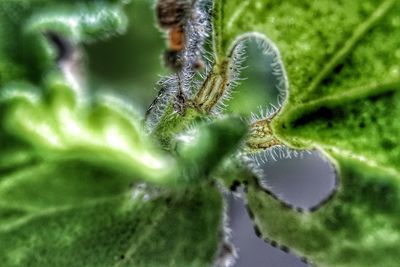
172	17
187	24
176	43
172	13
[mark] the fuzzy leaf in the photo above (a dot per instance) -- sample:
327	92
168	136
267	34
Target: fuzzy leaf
360	226
311	34
342	63
348	104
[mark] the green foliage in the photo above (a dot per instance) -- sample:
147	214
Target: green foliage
72	162
70	214
84	183
24	52
342	61
359	227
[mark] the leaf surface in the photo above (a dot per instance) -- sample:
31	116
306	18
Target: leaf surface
359	226
71	164
73	215
342	63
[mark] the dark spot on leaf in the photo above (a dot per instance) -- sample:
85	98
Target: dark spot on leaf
382	195
387	94
304	259
168	200
257	231
322	113
285	249
335	71
234	185
299	209
387	144
250	212
63	47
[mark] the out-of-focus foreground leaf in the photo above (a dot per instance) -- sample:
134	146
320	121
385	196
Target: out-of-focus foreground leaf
71	164
69	194
24	52
73	215
342	62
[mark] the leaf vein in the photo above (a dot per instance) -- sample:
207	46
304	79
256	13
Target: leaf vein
348	46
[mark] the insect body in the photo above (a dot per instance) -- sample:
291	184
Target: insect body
172	13
176	44
173	17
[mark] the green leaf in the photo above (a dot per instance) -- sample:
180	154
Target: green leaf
73	204
360	226
107	131
73	215
346	105
350	104
66	194
60	125
72	164
24	50
312	34
342	63
361	127
216	140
